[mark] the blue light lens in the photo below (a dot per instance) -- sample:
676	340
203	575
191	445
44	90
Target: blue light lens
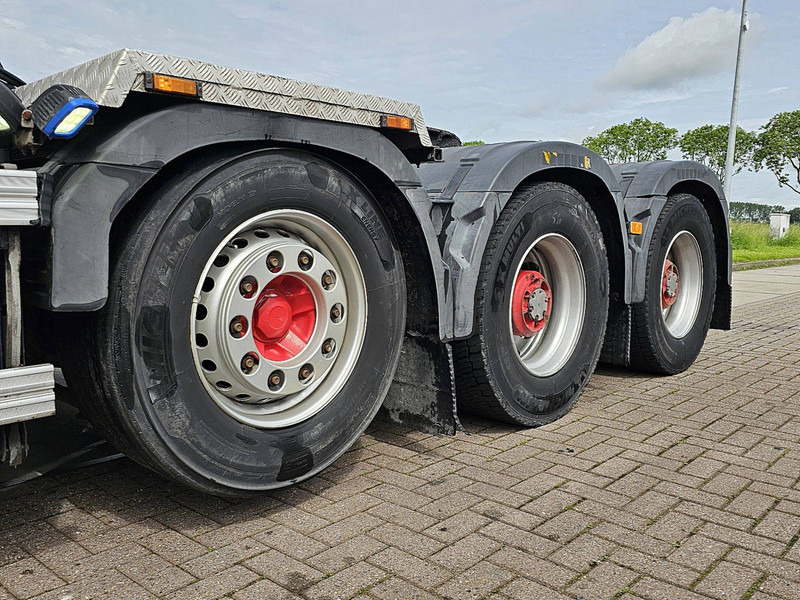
70	118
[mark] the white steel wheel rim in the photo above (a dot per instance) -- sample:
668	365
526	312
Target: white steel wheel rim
684	252
547	351
248	396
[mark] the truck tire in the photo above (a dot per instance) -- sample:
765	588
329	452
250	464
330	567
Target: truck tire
540	309
671	323
254	321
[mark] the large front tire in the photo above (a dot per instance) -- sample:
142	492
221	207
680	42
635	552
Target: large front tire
546	250
224	368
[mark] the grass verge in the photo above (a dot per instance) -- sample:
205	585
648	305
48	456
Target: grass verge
751	241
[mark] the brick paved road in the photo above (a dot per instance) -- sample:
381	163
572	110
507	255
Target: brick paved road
662	488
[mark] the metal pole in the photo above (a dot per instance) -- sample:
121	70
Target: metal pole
734	108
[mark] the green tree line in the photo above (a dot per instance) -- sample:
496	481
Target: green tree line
775	147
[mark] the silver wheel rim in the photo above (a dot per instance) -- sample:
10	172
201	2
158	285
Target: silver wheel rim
318	370
684	252
547	351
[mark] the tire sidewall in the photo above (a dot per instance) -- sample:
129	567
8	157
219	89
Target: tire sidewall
683	214
177	417
531	398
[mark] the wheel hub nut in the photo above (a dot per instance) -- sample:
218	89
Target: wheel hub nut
531	303
275	380
238	327
249	363
670	284
306	371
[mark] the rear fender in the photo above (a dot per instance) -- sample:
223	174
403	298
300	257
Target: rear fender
471	186
646	187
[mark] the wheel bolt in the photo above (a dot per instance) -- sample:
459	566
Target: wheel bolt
304	260
248	286
336	313
249	363
328	346
275	380
238	326
306	371
328	280
274	261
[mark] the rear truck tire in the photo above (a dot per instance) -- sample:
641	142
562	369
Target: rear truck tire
255	316
671	323
541	309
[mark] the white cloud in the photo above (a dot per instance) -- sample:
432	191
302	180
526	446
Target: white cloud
684	49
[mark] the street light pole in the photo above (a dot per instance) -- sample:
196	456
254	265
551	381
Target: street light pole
735	107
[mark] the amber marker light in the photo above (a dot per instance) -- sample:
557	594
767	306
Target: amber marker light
167	84
395	122
636	227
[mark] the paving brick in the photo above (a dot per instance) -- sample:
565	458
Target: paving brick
779	526
284	570
223	558
346	583
395	588
421	573
28	578
532	567
215	586
347	553
173	546
475	583
264	589
699	552
728	580
583	552
465	552
654	566
526	589
412	542
606	580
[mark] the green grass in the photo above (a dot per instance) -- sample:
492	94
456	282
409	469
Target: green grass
751	241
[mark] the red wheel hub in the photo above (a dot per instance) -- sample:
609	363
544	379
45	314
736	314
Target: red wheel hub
531	303
284	318
670	284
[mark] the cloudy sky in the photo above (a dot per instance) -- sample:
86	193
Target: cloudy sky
491	70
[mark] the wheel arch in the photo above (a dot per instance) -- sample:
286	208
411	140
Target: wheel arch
647	186
471	186
111	172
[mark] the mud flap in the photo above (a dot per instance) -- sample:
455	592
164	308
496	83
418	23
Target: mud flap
617	343
422	395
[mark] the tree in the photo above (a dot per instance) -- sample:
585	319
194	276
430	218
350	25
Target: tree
794	215
637	141
778	149
474	143
708	144
753	211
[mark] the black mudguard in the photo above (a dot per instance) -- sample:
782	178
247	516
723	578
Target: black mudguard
646	187
89	182
96	176
472	185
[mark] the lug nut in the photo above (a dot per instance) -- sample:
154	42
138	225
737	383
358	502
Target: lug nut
336	313
306	371
275	380
248	286
275	261
304	260
238	326
328	280
328	346
249	363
